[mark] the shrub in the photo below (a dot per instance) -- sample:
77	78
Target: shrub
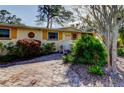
47	48
120	51
95	70
7	58
11	48
29	47
88	50
68	58
1	47
24	48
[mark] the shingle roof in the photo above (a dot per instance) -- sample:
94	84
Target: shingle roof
72	29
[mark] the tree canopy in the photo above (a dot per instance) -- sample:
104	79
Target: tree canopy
51	14
8	18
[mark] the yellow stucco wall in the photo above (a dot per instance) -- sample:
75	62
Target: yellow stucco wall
23	33
40	34
66	35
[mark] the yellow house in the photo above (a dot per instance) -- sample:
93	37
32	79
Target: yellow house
12	33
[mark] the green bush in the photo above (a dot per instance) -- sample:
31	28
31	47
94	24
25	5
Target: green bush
10	52
120	51
14	50
11	48
23	49
68	58
88	50
95	70
47	48
7	58
1	47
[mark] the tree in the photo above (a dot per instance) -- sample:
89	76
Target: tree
53	14
8	18
106	20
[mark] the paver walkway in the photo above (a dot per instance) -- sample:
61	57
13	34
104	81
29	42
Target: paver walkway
120	64
51	72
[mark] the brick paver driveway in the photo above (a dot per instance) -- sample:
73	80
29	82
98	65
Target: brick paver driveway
46	73
51	72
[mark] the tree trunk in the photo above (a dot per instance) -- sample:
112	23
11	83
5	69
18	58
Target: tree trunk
51	23
48	22
114	48
108	50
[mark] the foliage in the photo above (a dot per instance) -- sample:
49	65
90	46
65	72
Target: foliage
88	50
95	70
120	51
68	58
30	47
53	13
11	52
48	48
8	18
25	49
121	37
11	48
7	58
1	47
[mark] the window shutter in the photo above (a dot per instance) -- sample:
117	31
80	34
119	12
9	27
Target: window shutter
13	33
45	34
60	36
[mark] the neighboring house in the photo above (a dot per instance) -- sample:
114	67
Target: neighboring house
12	33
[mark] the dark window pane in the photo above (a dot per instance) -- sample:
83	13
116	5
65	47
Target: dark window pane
4	32
52	35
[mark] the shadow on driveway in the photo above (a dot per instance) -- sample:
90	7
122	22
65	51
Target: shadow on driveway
55	56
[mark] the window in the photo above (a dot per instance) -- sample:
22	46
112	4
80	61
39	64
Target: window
4	33
74	36
52	36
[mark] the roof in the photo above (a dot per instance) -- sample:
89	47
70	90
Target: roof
72	29
20	26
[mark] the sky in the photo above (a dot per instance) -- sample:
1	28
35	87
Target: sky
26	12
